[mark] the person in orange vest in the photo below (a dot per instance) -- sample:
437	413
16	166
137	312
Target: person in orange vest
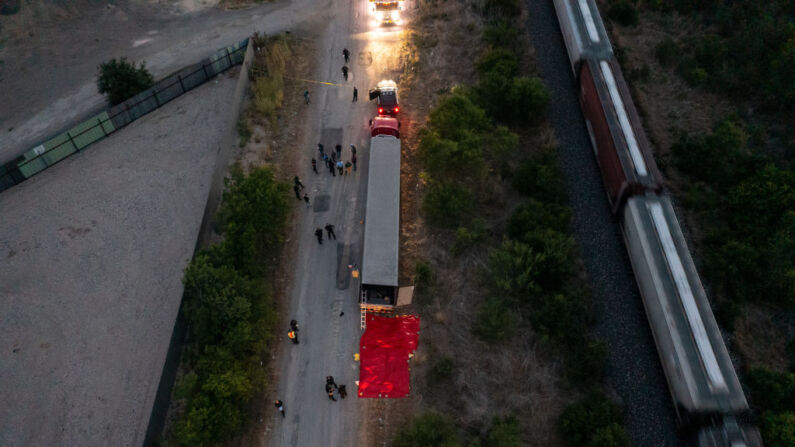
293	336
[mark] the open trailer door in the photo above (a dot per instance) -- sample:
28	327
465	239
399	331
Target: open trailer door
405	296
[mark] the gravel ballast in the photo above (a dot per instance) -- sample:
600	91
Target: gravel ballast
633	369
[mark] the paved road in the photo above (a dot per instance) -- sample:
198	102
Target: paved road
48	78
322	286
633	369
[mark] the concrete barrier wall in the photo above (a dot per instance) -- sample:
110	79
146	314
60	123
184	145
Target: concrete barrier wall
168	377
114	118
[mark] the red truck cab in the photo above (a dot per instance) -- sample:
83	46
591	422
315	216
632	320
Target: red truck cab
384	125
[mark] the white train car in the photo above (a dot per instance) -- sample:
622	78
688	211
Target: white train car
706	392
583	31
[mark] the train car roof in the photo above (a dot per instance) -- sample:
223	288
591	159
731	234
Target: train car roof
587	29
382	213
634	149
698	367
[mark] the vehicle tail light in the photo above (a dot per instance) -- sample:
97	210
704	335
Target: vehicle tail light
380	110
397	109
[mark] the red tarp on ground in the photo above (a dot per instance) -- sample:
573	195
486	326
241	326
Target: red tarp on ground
384	355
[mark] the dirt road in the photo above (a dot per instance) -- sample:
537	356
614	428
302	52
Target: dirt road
323	296
49	61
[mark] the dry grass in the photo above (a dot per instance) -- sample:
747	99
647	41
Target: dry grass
487	380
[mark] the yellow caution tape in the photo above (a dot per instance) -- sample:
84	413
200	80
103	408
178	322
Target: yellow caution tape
315	82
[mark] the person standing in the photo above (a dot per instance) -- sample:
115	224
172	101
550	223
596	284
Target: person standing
279	407
297	182
353	149
306	200
294	325
306	96
319	234
343	391
296	189
348	165
355	94
331	167
346	54
330	392
293	336
320	149
345	72
334	157
330	381
330	231
338	148
353	160
314	165
340	166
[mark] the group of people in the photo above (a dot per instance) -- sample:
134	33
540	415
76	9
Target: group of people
334	161
329	229
331	387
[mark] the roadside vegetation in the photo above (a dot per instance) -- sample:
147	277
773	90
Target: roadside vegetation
494	197
120	80
228	303
735	179
229	311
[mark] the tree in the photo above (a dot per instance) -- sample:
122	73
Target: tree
428	430
445	204
778	429
592	421
504	432
121	80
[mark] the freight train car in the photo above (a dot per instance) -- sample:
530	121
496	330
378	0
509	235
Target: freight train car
707	395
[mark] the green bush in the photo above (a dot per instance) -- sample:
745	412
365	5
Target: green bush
446	204
778	429
501	8
666	52
428	430
771	390
533	215
457	112
526	100
466	238
495	320
539	177
501	34
623	12
252	214
424	277
585	364
441	370
498	61
592	421
227	306
453	158
556	251
504	432
120	80
512	271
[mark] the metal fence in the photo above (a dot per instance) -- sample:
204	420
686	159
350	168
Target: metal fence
114	118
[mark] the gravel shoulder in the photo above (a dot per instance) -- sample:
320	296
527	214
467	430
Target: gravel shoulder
92	253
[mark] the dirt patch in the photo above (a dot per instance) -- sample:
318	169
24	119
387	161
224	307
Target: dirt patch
443	42
758	337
